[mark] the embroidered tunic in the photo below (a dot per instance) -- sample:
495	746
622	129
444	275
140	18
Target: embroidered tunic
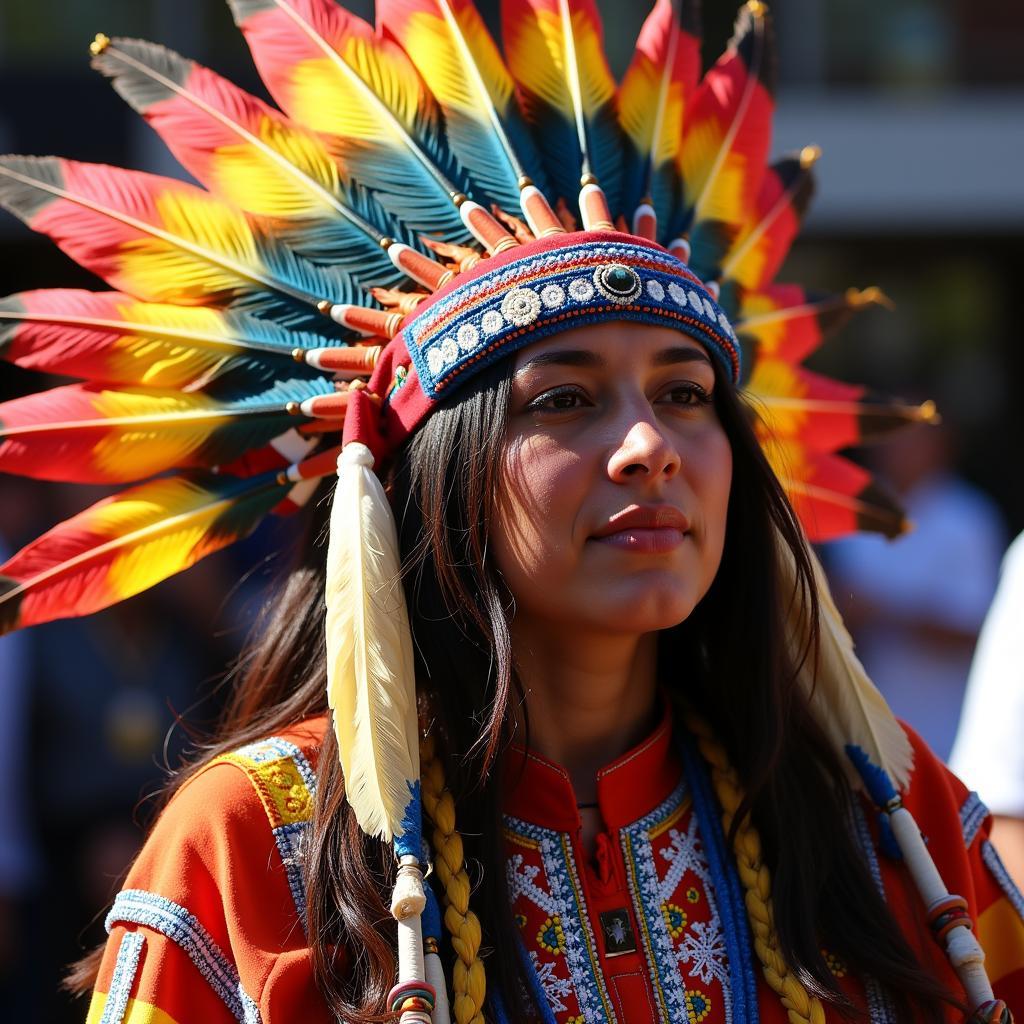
209	926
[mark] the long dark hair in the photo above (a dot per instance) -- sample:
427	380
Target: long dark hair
443	488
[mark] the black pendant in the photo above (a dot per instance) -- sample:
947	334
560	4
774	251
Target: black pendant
618	932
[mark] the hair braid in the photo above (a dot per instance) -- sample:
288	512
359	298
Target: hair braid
469	982
801	1006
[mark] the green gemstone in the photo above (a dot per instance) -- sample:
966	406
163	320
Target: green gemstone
619	279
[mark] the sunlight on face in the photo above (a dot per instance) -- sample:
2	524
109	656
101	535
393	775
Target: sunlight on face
616	480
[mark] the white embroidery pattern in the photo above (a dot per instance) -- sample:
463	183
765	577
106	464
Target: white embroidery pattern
555	988
703	951
566	900
684	853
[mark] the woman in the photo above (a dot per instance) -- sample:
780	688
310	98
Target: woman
624	714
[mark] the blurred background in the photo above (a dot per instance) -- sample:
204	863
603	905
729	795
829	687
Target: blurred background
919	108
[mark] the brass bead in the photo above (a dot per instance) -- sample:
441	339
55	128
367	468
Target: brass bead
99	44
385	242
324	306
588	179
293	409
298	355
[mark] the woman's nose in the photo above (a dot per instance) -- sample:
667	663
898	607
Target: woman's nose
645	451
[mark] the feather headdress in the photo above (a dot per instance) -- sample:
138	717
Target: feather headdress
406	216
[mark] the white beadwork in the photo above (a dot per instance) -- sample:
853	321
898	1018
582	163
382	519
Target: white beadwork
724	323
655	290
449	351
709	308
435	361
521	306
556	988
492	322
553	296
695	301
677	293
469	337
703	951
581	290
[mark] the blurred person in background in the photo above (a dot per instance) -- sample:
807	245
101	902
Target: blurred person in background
989	750
914	606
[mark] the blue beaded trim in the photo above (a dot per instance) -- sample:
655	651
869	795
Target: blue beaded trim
526	300
125	968
726	885
880	1006
566	899
972	815
1002	876
136	906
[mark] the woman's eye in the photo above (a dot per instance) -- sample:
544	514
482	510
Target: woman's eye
687	394
560	400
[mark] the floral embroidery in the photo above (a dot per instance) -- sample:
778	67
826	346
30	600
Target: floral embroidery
659	861
563	899
581	290
703	951
492	322
521	306
553	296
698	1005
551	937
556	988
675	919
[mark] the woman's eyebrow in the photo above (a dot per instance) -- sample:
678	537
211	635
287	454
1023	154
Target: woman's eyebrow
585	357
564	357
681	355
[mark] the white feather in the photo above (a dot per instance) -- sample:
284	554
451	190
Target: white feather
370	676
842	698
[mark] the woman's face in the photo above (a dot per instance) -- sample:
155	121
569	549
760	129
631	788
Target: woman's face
616	476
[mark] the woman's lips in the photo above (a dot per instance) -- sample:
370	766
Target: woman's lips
648	529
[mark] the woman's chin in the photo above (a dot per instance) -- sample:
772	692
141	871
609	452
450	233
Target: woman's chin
636	609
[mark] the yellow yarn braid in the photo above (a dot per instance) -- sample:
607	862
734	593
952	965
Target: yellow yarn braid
801	1006
469	983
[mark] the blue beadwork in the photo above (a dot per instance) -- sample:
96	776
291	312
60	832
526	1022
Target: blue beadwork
136	906
410	843
526	300
876	780
726	883
972	815
994	863
125	967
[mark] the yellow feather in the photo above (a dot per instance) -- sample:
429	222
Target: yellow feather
371	684
255	178
842	698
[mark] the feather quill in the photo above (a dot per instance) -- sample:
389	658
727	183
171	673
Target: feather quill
831	495
726	142
82	433
556	55
127	543
111	338
452	49
331	72
823	415
370	682
255	158
653	100
166	241
787	322
842	698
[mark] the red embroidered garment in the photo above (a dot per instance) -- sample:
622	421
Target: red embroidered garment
209	925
